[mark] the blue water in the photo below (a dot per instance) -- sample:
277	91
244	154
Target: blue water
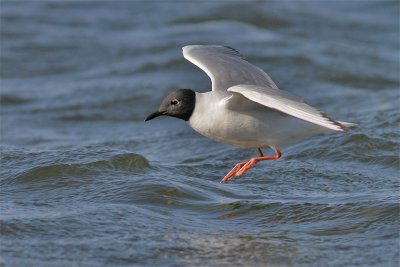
85	182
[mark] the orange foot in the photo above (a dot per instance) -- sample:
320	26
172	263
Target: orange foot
233	172
242	167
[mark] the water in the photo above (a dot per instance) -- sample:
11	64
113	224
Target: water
85	182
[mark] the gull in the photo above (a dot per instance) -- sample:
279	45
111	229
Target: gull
245	108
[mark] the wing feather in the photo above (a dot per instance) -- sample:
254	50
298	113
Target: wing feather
226	67
286	103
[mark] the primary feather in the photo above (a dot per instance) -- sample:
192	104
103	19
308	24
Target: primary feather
286	103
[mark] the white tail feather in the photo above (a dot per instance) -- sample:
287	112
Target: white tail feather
347	124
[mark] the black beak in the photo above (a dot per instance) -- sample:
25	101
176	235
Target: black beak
154	115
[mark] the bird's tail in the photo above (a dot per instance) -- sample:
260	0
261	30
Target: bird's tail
347	124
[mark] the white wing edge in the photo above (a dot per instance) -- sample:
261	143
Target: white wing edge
289	104
188	56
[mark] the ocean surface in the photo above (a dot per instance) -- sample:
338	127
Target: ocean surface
85	182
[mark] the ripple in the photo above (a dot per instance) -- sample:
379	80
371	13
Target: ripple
300	213
359	147
13	100
259	17
364	82
125	162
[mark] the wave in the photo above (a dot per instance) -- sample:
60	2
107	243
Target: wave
363	81
130	162
13	100
355	147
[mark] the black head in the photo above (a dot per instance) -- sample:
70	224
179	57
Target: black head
178	104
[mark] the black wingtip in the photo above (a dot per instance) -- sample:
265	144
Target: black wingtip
334	122
237	53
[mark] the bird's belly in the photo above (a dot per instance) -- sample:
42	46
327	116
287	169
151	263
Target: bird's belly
258	129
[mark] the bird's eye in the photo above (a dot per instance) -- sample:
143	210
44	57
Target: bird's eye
174	102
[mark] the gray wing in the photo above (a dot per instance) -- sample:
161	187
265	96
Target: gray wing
226	67
286	103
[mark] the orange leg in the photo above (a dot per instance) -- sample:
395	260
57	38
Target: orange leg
233	172
242	167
